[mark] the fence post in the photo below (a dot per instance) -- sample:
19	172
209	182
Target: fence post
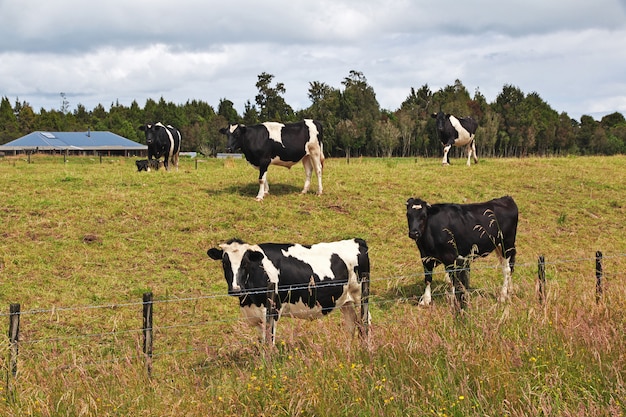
541	279
599	288
14	333
270	313
147	330
365	306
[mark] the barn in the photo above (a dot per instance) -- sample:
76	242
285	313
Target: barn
74	143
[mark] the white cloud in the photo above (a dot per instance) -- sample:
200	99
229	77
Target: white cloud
570	52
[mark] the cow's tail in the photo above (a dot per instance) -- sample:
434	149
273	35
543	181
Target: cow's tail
320	136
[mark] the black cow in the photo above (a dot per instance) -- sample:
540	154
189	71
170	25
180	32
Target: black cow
310	281
454	234
162	141
456	132
142	165
273	143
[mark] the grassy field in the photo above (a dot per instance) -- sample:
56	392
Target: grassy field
82	241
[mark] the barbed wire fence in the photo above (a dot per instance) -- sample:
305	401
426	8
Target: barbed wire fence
71	336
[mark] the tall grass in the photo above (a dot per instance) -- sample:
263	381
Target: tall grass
81	241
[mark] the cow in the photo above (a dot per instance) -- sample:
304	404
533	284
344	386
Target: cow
455	234
273	143
309	281
142	165
163	141
456	132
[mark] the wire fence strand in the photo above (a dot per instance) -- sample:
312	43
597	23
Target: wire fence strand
373	300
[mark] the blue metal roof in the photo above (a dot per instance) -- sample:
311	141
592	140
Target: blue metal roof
73	141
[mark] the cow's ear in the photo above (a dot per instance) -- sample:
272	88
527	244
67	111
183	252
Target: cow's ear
215	253
142	127
434	115
255	256
223	131
448	115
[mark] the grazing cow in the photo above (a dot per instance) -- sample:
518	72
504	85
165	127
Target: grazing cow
142	165
162	141
273	143
310	281
450	234
456	132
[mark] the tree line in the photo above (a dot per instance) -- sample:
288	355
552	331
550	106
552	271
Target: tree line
514	124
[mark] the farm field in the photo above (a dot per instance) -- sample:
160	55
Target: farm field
82	241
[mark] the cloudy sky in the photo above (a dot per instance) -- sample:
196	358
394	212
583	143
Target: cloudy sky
571	52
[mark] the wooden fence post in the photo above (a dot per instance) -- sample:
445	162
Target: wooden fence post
365	306
14	333
270	314
147	330
541	279
599	289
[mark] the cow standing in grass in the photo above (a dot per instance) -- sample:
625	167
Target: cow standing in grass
454	234
273	143
456	132
163	141
310	281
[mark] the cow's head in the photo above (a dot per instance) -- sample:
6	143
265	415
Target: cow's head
234	133
441	119
241	263
151	131
416	215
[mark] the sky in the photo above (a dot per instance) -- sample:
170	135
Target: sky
570	52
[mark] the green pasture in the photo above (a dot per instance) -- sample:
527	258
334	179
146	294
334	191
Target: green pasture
83	239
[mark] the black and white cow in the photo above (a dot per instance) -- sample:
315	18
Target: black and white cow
163	141
273	143
310	281
456	132
449	233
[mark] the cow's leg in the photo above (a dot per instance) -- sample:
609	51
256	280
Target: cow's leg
175	160
350	319
446	158
474	152
316	160
428	278
308	171
264	187
507	265
166	163
469	154
454	287
460	283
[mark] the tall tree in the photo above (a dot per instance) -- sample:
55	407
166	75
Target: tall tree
359	104
9	129
226	109
325	104
272	106
386	137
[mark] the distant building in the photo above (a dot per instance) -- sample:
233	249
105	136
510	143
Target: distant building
75	143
